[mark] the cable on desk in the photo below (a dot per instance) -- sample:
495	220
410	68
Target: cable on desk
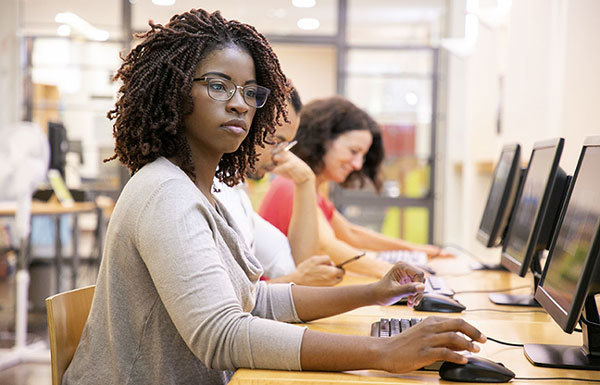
588	322
508	311
504	343
492	291
555	378
577	330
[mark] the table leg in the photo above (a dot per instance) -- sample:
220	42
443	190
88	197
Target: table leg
58	252
75	255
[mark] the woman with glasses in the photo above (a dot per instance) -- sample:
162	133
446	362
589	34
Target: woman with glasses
342	144
178	298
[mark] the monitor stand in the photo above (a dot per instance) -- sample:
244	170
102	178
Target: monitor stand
488	267
513	299
522	299
586	357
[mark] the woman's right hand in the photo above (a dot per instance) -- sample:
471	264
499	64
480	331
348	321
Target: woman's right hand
433	339
317	270
291	166
401	280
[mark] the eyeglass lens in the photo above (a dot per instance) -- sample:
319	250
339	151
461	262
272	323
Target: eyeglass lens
223	90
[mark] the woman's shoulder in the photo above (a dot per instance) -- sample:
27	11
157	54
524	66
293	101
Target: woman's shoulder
159	169
157	179
158	173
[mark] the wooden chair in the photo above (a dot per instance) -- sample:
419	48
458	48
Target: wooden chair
67	313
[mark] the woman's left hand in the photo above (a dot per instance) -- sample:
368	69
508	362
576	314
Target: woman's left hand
436	252
402	280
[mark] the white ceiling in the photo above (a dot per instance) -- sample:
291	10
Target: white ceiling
269	16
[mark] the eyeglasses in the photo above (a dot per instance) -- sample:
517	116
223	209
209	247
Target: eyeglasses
224	89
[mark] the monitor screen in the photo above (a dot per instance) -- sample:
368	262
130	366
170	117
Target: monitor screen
533	218
566	278
57	138
501	197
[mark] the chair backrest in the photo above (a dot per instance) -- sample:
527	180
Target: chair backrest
67	313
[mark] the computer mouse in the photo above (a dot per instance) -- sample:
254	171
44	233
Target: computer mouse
439	304
478	369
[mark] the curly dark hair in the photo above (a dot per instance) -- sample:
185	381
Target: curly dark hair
156	92
322	121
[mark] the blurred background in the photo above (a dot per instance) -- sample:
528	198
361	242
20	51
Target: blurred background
449	81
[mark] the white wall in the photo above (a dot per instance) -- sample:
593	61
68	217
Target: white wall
548	54
312	69
532	86
581	82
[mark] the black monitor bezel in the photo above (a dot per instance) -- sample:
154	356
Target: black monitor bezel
494	237
532	242
568	318
58	142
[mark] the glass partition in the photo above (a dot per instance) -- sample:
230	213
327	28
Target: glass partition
397	87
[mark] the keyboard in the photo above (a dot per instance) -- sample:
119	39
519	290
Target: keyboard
408	256
388	327
415	258
392	326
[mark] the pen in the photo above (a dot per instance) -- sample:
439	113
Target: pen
350	260
290	145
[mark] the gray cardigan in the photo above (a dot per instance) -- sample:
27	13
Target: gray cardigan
178	298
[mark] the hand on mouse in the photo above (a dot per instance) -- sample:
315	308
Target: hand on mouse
433	339
400	281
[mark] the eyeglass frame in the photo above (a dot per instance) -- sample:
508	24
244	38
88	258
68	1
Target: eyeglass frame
208	78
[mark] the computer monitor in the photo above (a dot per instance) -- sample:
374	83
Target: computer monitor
535	214
59	145
571	277
501	198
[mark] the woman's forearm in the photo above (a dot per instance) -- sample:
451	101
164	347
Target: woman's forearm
363	238
319	302
303	232
336	352
339	251
372	240
433	339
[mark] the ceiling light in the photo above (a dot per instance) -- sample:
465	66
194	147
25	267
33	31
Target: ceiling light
308	23
164	3
304	3
411	98
76	22
63	30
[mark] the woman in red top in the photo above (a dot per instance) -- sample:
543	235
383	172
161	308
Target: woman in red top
342	144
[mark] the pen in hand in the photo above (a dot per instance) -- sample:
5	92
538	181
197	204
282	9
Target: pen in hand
279	148
339	266
290	145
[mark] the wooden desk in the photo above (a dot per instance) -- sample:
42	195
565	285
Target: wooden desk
49	208
56	211
533	327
